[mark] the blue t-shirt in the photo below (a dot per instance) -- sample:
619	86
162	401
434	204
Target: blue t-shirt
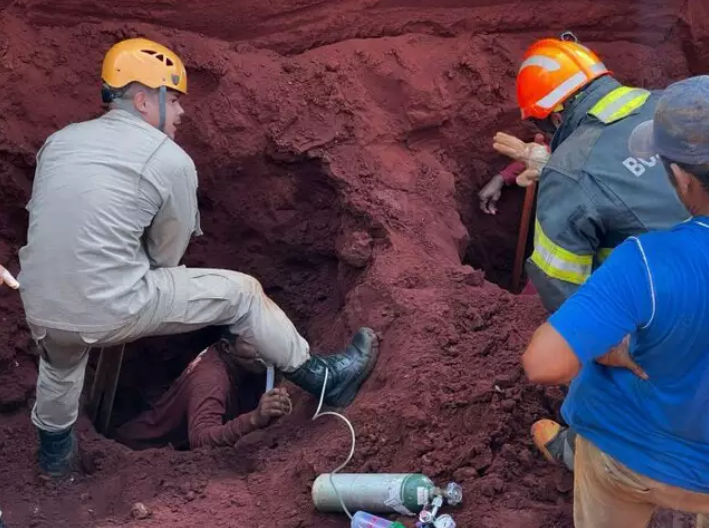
656	288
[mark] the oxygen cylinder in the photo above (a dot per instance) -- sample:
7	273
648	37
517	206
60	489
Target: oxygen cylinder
403	493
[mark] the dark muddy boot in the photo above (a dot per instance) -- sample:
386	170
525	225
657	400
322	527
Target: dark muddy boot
58	452
556	443
346	371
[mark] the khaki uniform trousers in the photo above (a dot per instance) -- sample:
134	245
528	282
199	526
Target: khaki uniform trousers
609	495
185	299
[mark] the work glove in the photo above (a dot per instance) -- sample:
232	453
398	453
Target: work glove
273	404
7	278
533	155
490	194
619	356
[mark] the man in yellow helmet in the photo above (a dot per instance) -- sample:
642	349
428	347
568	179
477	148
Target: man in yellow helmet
112	210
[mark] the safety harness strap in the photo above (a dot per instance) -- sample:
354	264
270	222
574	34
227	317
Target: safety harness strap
162	92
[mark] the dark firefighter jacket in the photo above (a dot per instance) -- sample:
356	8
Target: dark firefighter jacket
593	193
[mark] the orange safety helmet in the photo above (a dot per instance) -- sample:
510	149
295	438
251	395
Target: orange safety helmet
144	61
552	71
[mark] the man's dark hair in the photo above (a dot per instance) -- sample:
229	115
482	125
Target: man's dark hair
699	170
224	333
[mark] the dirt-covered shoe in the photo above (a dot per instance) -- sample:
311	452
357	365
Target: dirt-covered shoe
555	442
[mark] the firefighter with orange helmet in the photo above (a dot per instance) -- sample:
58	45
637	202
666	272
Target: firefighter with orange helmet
113	208
593	192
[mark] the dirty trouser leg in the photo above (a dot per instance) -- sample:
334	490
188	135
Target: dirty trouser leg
205	297
609	495
62	366
188	299
184	299
60	380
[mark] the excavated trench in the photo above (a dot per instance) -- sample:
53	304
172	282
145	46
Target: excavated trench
285	224
340	148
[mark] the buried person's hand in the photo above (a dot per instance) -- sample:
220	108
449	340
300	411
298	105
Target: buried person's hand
490	194
7	278
273	404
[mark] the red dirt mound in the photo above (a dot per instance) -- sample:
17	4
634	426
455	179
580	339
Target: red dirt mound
340	146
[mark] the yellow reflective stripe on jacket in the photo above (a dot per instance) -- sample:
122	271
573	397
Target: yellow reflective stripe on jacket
602	254
619	103
557	262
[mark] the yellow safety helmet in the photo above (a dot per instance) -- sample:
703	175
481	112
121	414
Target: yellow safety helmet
146	62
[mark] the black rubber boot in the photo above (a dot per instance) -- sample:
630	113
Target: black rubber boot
346	371
58	452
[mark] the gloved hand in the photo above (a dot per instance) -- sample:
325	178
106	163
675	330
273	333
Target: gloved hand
490	194
7	278
527	177
619	356
534	156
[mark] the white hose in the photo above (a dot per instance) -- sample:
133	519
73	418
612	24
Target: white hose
317	415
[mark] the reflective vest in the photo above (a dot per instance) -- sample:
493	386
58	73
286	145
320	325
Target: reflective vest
593	194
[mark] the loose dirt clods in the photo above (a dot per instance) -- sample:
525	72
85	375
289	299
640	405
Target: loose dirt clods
340	146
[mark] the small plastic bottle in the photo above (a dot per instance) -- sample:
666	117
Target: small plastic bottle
367	520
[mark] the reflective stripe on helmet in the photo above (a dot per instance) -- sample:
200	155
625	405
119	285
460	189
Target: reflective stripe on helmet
557	95
541	61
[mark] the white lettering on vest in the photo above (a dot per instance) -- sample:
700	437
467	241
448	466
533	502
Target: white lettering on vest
637	165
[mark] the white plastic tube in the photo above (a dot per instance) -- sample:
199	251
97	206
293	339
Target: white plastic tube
270	378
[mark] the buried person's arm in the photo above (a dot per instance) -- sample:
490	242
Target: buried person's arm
7	278
208	404
201	408
518	172
614	302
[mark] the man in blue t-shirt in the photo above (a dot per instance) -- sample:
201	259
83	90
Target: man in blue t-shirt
642	435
